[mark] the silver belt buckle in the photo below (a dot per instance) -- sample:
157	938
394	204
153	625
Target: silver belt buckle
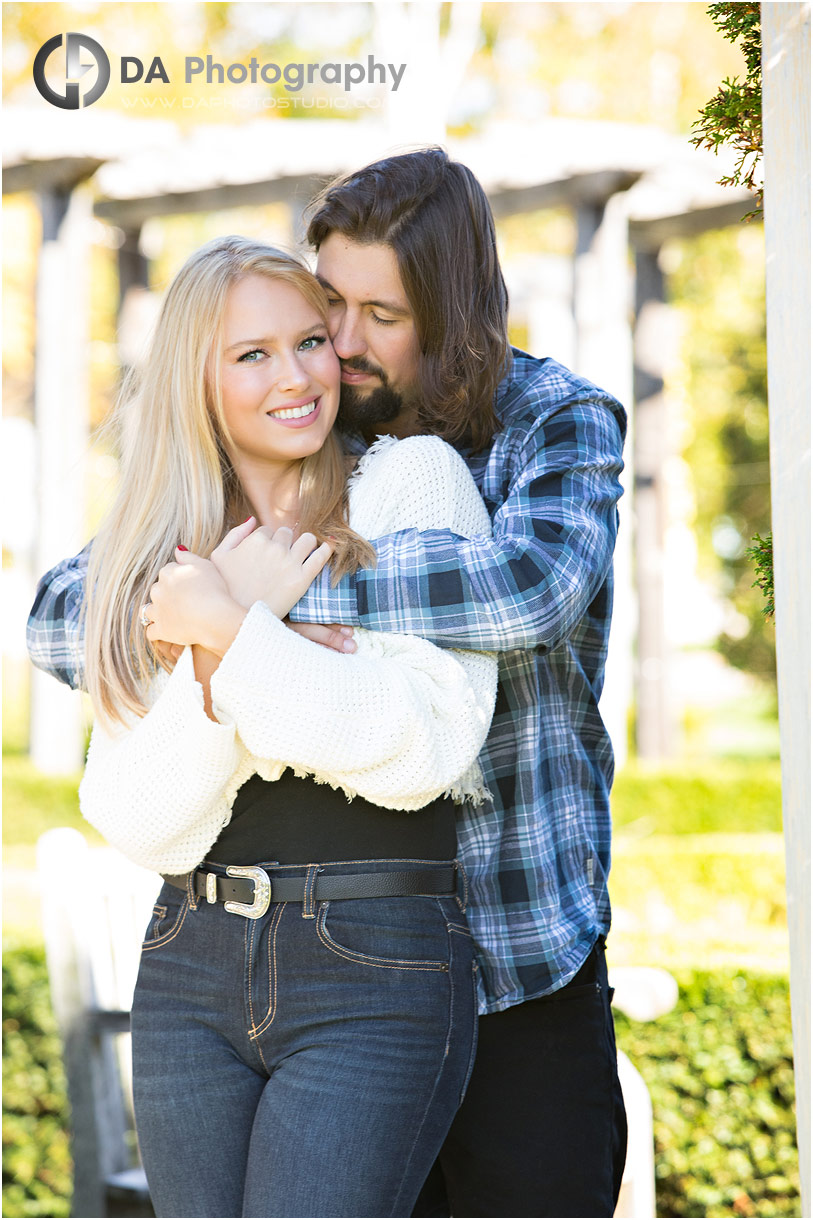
262	892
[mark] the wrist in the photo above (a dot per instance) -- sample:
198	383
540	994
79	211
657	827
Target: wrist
222	628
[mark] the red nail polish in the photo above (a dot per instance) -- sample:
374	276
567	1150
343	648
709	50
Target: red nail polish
182	548
248	518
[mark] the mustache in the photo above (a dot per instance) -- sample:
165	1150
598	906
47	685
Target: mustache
360	365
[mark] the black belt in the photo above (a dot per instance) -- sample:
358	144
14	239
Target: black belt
250	891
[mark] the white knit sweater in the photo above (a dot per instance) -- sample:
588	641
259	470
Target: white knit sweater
398	722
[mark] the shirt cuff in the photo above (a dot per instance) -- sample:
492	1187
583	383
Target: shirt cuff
323	604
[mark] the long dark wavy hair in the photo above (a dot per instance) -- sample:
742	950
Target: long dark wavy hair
434	214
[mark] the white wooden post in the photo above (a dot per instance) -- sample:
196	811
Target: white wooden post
654	727
409	33
786	133
60	413
601	309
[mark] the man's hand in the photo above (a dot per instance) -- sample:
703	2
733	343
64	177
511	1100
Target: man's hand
330	635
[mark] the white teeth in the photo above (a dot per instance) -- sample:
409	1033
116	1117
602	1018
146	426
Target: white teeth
295	412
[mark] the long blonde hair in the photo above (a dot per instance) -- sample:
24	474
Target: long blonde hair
178	482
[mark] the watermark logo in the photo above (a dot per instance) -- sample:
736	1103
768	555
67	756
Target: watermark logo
77	48
293	78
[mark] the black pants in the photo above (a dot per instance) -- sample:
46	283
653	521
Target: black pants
542	1130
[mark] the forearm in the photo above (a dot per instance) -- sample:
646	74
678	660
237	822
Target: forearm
484	594
205	664
206	658
527	586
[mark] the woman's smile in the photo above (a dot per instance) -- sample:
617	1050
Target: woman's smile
297	416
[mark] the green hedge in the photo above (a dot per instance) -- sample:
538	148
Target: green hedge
719	1070
725	796
720	1073
37	1169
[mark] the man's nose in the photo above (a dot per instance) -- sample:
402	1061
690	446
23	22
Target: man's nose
348	339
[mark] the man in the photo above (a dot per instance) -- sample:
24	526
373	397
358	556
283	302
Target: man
418	316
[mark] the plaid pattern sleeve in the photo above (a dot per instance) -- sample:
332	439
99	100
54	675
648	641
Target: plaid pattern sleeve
55	642
551	484
540	593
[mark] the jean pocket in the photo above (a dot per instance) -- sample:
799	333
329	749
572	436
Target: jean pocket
166	920
392	934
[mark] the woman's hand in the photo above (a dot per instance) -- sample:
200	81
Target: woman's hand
260	564
190	604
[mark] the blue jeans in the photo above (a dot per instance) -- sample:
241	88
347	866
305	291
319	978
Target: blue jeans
307	1063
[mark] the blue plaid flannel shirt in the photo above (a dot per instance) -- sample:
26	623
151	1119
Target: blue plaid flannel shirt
540	594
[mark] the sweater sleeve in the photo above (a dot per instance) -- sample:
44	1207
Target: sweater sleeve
400	721
154	787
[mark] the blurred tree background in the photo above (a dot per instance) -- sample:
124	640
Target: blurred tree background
628	62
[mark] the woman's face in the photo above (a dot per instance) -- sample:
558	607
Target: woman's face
279	373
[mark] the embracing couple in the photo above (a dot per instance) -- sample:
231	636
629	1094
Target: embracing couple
344	630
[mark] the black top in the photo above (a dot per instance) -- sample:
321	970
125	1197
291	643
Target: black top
297	821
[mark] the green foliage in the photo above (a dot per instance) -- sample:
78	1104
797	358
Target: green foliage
719	1069
725	797
717	283
734	117
762	555
34	803
734	114
37	1170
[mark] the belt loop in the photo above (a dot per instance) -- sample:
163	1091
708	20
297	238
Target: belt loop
308	908
190	890
462	882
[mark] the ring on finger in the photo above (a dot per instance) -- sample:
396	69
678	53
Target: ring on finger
144	617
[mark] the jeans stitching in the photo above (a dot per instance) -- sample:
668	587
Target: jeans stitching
272	975
473	1053
398	1208
248	945
381	963
158	914
307	900
171	934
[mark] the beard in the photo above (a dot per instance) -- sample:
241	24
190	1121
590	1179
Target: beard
368	412
365	413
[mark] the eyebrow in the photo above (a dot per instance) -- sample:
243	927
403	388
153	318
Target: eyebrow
266	340
387	306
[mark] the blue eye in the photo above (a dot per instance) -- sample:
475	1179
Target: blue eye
311	343
246	357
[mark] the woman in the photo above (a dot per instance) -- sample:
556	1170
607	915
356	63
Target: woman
303	1023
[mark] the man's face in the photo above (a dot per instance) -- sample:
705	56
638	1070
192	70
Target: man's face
373	332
